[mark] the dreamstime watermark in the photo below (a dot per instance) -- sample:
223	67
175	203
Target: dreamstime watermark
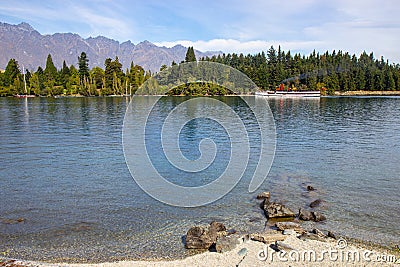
135	134
339	254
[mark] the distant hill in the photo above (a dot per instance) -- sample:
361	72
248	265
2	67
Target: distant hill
31	48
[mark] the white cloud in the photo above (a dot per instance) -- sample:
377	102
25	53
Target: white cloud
104	25
245	47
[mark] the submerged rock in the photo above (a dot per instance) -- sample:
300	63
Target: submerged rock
318	217
315	203
264	195
277	210
305	215
226	243
12	221
310	188
218	228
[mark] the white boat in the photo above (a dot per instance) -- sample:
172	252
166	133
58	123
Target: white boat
26	92
289	93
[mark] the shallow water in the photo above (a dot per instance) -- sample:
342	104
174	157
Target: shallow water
63	171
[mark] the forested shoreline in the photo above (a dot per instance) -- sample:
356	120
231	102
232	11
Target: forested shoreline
328	72
335	71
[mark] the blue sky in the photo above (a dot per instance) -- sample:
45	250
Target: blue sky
230	26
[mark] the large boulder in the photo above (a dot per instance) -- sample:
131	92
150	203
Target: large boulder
277	210
306	215
199	237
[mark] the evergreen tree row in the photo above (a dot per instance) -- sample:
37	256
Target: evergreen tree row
329	72
336	71
72	81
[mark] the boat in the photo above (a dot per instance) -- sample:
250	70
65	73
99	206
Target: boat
24	96
25	90
289	93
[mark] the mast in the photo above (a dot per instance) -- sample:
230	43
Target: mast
23	70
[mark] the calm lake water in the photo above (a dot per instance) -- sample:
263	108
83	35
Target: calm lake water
63	171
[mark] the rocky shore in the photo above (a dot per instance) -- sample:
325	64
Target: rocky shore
287	241
368	93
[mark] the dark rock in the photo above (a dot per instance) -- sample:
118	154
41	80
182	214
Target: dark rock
331	235
231	232
264	195
305	215
315	216
12	221
199	237
315	203
264	204
217	227
310	188
318	217
318	232
226	243
276	210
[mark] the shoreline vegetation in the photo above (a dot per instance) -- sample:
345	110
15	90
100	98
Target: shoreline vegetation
333	73
284	240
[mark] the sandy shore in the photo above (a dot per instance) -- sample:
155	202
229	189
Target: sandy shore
293	252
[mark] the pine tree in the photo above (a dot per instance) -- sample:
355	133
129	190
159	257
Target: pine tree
190	56
12	71
83	63
50	71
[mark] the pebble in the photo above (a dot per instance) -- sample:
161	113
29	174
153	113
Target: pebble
242	252
289	232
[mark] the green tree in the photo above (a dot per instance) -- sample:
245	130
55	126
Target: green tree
12	71
190	56
50	77
83	64
64	75
163	67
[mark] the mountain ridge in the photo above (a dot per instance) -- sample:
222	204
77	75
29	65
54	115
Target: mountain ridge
30	48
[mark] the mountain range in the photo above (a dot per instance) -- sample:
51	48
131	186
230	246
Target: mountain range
30	48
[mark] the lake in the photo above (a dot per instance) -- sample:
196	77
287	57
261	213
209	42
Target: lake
63	172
